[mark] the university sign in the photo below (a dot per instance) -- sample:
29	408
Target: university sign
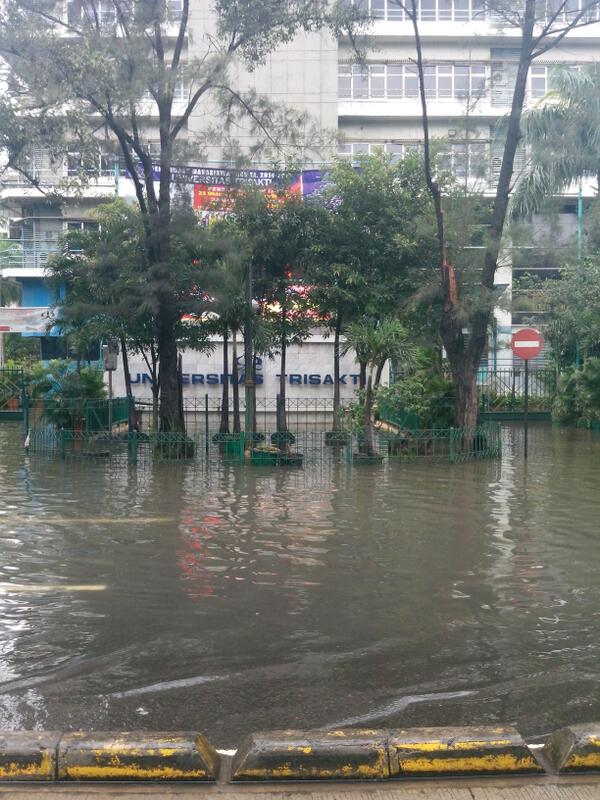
217	379
310	372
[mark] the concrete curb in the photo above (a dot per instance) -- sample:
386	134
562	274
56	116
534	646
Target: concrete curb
575	748
452	752
136	756
28	756
347	754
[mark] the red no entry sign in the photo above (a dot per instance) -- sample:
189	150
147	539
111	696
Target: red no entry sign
526	343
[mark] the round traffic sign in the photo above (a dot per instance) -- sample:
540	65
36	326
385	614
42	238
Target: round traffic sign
526	343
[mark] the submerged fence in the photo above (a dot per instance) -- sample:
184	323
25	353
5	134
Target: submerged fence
451	445
502	391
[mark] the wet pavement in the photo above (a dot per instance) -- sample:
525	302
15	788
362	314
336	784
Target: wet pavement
170	598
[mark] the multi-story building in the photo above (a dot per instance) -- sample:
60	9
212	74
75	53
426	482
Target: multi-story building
470	66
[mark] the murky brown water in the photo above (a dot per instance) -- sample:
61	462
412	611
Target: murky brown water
252	598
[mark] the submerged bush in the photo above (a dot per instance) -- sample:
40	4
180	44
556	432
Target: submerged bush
577	400
65	390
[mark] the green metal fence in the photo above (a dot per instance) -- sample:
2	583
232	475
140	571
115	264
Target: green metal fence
502	392
13	397
451	445
81	414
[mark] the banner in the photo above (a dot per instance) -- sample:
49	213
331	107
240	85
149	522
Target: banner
25	320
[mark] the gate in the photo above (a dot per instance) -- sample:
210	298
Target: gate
13	395
502	393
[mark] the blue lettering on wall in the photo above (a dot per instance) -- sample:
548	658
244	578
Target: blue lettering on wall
197	378
327	380
295	379
185	378
212	379
314	380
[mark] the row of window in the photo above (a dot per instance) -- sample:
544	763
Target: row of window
442	81
103	12
466	10
462	159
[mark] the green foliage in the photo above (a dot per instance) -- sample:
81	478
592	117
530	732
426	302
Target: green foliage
563	137
376	343
571	310
111	288
577	400
64	390
372	239
427	396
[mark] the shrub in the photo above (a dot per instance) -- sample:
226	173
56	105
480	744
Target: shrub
65	390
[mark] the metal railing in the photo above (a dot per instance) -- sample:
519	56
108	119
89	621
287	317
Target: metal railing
23	253
503	390
451	445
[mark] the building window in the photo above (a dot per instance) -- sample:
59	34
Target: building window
427	10
464	160
174	10
81	225
100	165
537	81
401	81
395	150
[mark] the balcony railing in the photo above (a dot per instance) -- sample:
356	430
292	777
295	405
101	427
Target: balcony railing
23	254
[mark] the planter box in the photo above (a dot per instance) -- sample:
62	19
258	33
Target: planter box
337	438
284	437
231	445
275	458
362	459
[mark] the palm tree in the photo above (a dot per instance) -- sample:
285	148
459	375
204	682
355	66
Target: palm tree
374	345
563	136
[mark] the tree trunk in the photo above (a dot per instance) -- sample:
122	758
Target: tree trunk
254	425
155	388
235	388
224	427
366	446
466	396
132	422
336	374
362	379
170	416
281	415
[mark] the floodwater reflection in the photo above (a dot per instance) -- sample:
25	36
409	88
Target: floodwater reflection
412	594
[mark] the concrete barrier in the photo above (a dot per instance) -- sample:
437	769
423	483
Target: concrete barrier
28	756
434	752
348	754
136	756
575	748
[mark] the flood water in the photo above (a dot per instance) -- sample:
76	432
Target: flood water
164	597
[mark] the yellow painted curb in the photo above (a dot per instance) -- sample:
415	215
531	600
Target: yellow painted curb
347	754
432	752
136	756
28	756
575	748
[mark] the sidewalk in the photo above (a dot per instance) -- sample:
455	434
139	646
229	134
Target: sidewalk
545	788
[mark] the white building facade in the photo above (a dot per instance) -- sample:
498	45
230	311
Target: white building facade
470	66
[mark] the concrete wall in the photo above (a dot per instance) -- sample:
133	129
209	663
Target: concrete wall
310	373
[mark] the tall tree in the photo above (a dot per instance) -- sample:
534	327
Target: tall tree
371	245
464	325
562	137
105	272
97	69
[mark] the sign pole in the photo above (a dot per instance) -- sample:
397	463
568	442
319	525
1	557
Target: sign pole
526	414
525	344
